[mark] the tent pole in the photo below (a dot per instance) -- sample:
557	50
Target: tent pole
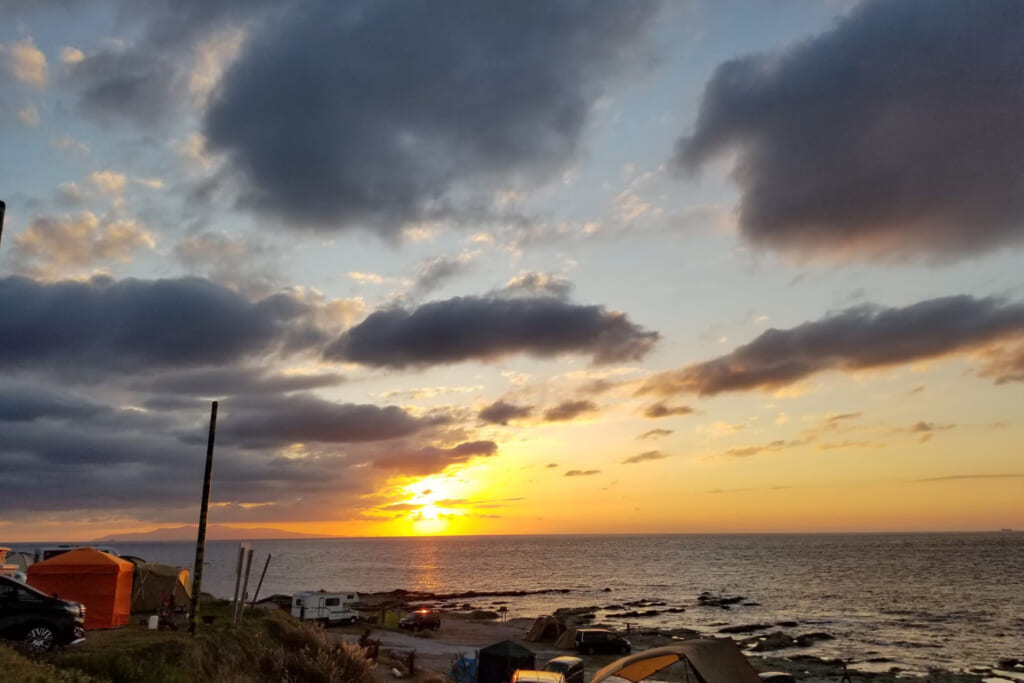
204	509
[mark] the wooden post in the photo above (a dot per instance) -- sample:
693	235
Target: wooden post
259	584
3	210
238	581
245	586
204	509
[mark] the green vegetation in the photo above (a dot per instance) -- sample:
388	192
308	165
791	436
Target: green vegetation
267	646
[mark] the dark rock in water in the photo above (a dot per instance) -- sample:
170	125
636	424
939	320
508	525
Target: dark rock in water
706	599
1010	663
787	624
606	590
646	603
675	610
878	660
745	628
751	604
611	607
773	641
806	639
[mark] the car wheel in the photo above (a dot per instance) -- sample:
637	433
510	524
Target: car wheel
624	650
39	638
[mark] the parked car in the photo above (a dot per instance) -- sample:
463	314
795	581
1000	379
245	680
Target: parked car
36	619
570	667
421	619
776	677
594	640
532	676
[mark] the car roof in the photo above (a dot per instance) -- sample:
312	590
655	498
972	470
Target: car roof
539	676
566	659
593	630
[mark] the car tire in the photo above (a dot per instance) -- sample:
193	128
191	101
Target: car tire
40	637
624	650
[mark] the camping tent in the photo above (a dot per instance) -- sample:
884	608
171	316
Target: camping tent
567	641
156	584
496	663
546	627
715	660
101	582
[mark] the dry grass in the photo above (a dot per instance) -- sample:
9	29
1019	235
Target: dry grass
265	647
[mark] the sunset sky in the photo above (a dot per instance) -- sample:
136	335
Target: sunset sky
512	267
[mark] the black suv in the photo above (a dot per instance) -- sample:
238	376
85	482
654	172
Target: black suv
36	619
593	640
421	619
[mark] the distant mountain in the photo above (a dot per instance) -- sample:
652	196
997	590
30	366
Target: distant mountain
214	532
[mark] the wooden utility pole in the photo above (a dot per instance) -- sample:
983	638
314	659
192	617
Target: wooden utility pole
3	210
204	508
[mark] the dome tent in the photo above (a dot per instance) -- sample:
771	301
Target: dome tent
101	582
155	585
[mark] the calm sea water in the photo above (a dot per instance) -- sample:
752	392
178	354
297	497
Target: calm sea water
953	601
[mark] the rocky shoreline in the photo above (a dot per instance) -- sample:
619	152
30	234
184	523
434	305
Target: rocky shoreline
768	647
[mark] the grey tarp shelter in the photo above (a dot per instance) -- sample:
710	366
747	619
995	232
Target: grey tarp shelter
713	660
496	663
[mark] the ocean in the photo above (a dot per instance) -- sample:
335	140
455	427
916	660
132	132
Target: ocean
916	601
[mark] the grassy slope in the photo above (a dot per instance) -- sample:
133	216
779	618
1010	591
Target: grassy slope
266	647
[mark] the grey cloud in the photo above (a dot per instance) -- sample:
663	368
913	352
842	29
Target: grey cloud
655	434
378	114
471	328
501	413
581	473
858	338
895	134
432	460
1004	366
433	273
646	456
535	284
659	410
28	403
568	410
235	380
125	325
261	422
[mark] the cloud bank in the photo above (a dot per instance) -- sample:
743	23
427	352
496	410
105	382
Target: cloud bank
894	135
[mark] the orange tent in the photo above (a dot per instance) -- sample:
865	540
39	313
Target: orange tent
101	582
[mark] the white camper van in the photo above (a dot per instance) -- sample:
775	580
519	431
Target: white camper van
328	608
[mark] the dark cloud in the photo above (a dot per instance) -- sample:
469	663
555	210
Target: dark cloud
646	456
551	465
377	114
858	338
260	422
581	473
432	460
659	410
28	403
213	382
145	80
895	134
500	413
569	410
655	434
125	325
468	328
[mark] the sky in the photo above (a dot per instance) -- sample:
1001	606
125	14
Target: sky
512	268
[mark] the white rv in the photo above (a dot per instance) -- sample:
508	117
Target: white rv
328	608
